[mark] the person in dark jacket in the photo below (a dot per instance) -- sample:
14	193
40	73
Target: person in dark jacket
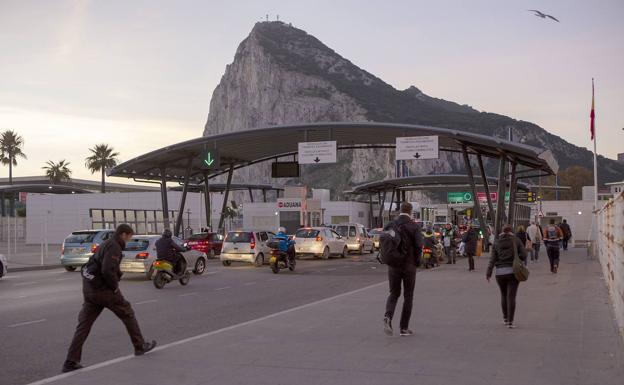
168	249
567	234
405	274
502	258
470	246
523	237
100	288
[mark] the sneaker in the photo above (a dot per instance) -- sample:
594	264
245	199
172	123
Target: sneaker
388	326
147	346
406	332
70	366
505	322
511	326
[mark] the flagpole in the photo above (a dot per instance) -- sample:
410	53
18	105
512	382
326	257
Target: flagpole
595	157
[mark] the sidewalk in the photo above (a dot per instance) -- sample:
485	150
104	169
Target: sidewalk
566	335
29	257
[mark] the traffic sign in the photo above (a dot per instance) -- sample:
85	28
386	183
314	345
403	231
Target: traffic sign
459	197
210	159
417	147
317	152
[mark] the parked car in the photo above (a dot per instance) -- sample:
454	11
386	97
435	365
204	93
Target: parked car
246	246
319	242
374	234
79	246
208	243
140	253
3	265
354	234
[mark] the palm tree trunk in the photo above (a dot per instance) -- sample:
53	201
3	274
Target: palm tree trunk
10	170
103	181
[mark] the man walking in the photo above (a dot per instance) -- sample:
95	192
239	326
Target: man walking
535	235
100	288
448	236
552	239
470	246
403	272
567	234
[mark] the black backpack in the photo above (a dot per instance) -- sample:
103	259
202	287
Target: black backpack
392	247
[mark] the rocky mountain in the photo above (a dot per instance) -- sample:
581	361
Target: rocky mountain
282	75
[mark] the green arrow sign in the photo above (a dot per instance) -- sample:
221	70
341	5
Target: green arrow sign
210	159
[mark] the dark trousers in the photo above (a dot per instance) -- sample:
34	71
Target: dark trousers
94	303
450	254
508	285
397	277
535	253
553	256
565	242
470	261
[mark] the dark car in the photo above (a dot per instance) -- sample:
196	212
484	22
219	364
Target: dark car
209	243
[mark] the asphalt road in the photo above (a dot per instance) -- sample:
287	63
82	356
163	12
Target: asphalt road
38	310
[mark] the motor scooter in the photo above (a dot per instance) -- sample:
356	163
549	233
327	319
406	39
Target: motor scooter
281	260
165	272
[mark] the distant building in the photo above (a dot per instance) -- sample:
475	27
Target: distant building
91	185
616	187
621	157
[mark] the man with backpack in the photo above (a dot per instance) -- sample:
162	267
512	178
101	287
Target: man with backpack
552	238
401	247
100	288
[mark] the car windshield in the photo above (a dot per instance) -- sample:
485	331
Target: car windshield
137	245
81	237
198	236
238	237
346	231
374	232
307	233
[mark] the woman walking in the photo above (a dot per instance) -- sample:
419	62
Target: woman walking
502	258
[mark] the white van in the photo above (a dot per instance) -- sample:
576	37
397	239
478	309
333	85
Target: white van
246	246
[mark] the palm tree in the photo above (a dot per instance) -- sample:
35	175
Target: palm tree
102	157
58	172
10	149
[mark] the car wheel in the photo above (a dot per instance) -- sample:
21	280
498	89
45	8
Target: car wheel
259	261
149	273
185	279
70	268
325	253
200	266
1	269
226	263
345	252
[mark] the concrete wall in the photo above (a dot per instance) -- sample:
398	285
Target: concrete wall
611	253
357	212
55	216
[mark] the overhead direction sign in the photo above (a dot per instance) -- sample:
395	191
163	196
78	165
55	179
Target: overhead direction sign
417	147
317	152
459	197
210	159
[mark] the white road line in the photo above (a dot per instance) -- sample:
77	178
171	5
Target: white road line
204	335
250	283
187	294
25	283
273	279
222	288
63	279
211	272
27	323
148	301
332	269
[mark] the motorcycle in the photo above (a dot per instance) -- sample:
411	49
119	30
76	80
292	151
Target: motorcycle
165	272
428	258
281	260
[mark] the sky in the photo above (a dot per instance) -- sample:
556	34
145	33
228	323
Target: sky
139	75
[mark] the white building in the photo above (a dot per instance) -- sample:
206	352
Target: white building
615	187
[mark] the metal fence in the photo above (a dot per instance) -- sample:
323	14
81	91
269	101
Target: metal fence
611	252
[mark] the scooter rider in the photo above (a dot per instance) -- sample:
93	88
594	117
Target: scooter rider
168	249
286	245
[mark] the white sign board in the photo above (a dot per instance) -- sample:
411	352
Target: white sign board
317	152
417	147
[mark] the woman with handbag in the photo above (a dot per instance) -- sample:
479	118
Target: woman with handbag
508	256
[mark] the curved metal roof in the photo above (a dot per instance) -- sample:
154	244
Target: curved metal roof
426	182
243	148
221	187
43	189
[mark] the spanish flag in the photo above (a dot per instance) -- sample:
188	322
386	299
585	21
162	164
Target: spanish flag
592	115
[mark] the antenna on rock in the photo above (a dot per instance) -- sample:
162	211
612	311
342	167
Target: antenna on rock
277	17
267	17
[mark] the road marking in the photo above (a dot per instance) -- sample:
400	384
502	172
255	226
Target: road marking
27	323
211	272
63	279
148	301
204	335
250	283
222	288
332	269
273	279
187	294
25	283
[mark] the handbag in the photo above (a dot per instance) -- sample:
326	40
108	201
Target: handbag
528	245
520	271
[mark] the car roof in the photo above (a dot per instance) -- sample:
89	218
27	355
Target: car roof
91	231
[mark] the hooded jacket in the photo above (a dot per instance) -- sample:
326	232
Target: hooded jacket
503	252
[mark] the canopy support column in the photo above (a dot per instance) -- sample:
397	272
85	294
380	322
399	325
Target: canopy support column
163	197
226	196
2	204
391	204
486	186
251	195
371	218
382	201
264	199
500	203
207	201
477	206
187	175
512	195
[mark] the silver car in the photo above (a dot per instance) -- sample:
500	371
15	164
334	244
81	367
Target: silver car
246	246
356	237
140	253
321	242
3	265
79	246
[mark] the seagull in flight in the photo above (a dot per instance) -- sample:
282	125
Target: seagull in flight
543	15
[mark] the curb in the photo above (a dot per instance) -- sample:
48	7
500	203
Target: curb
33	268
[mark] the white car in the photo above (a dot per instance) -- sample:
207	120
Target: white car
3	265
319	242
140	254
246	246
356	237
